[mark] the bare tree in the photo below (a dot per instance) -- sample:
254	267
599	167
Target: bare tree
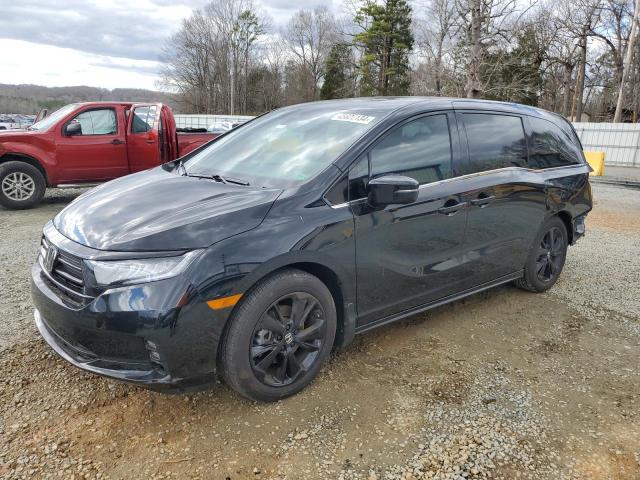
627	63
239	26
208	60
580	18
434	34
310	35
485	23
188	61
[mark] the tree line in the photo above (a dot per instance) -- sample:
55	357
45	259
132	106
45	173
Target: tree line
580	58
30	99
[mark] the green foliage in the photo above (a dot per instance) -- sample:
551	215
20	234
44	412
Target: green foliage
246	29
337	81
386	41
516	75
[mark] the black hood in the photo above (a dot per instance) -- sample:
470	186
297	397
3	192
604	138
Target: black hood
160	210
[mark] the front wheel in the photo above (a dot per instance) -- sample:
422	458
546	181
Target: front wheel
279	336
546	258
21	185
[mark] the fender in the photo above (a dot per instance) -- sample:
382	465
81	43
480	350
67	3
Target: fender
41	154
331	258
334	276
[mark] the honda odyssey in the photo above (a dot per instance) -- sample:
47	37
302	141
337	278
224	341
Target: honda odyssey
252	257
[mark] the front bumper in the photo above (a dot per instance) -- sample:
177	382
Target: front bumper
159	335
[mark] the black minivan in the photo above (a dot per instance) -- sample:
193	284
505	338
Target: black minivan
255	255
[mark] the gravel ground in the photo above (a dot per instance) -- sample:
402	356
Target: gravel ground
505	384
19	240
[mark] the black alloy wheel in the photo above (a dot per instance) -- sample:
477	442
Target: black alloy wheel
550	255
287	339
279	336
546	257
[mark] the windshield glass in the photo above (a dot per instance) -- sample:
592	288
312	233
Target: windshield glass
52	119
285	147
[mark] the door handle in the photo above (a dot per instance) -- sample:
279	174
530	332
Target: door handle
116	141
151	141
482	201
449	209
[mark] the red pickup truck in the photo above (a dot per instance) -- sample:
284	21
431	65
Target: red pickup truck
87	143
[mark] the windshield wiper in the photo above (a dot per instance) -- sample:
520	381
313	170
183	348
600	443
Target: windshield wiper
218	178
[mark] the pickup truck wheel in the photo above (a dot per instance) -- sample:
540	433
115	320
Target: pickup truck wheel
21	185
279	336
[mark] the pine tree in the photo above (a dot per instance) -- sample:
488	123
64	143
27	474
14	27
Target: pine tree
386	41
336	77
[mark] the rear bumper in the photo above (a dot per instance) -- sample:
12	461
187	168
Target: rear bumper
153	335
579	228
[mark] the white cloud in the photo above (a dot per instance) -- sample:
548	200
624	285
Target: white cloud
102	43
31	63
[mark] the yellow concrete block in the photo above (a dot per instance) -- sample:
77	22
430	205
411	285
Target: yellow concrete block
596	160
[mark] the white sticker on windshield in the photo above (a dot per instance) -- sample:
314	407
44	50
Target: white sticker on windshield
353	118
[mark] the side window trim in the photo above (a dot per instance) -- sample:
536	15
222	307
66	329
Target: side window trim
93	109
464	139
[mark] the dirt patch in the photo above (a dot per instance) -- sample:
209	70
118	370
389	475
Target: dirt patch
457	391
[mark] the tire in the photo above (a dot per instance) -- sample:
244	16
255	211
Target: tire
546	257
262	337
21	185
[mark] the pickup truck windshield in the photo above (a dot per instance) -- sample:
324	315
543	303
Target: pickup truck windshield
52	119
285	147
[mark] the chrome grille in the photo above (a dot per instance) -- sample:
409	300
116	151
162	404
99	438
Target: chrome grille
64	274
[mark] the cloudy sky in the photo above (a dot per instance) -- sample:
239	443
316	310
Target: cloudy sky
101	43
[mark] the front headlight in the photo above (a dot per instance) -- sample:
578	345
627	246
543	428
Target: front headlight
128	272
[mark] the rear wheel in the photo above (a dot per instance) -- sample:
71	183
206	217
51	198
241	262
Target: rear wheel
279	336
546	258
21	185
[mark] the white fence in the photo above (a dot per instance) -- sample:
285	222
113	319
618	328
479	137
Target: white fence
205	121
619	141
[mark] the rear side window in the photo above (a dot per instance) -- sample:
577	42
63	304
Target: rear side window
495	141
549	146
143	118
420	149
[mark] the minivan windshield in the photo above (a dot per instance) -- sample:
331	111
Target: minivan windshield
52	119
285	147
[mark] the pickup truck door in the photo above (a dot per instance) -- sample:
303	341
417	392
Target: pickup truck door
144	126
97	150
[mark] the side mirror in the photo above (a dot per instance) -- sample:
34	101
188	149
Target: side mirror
73	129
392	189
